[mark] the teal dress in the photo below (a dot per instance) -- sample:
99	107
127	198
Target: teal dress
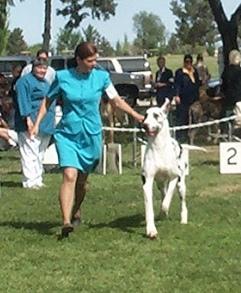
78	135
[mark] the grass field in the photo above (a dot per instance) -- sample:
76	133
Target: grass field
176	61
109	251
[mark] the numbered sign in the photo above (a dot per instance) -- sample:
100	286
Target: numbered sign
230	157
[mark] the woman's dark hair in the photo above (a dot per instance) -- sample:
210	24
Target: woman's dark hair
42	51
199	57
85	50
187	57
161	58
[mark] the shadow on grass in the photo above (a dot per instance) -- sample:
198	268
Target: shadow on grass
43	228
210	163
9	158
52	169
13	173
125	224
11	184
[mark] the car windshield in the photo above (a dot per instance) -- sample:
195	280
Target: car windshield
57	64
6	66
132	65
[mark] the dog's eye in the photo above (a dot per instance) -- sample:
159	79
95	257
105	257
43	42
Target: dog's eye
156	116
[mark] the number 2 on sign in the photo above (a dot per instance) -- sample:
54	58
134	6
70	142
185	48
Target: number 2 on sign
230	157
233	152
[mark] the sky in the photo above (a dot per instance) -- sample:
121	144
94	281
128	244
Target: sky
29	16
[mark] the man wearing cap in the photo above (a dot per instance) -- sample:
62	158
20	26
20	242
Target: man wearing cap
31	90
186	87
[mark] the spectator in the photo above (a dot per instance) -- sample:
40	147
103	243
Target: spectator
202	70
4	86
78	135
31	89
16	72
41	55
231	85
7	134
186	86
163	82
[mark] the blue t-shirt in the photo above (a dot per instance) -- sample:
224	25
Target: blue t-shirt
30	92
81	94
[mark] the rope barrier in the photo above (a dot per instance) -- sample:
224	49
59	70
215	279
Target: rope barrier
197	125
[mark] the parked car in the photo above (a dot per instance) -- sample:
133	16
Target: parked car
128	85
138	65
7	63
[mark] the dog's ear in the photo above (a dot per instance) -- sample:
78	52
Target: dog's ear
166	106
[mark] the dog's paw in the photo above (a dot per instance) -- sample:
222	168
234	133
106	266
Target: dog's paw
164	210
184	216
152	234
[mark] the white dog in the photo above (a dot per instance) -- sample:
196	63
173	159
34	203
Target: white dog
164	162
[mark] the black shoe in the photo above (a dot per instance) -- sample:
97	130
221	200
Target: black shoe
66	229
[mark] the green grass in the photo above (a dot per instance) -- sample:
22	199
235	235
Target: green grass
109	251
176	61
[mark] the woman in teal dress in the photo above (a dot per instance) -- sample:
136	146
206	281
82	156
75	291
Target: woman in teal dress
79	133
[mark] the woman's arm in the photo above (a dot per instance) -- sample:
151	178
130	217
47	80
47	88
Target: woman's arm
121	104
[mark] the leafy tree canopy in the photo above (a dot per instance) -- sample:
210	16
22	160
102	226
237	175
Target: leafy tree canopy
149	29
77	10
195	23
67	40
16	43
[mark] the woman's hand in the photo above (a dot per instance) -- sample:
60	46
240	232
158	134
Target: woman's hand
33	131
29	123
177	100
138	117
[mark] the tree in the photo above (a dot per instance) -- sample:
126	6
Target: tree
150	31
118	49
3	25
3	22
68	40
228	28
173	45
126	46
104	47
47	25
16	43
33	49
78	10
91	34
195	23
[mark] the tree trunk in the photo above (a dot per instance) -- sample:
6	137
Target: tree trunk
3	25
47	25
228	28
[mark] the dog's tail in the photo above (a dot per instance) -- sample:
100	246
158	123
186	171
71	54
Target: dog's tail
193	148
